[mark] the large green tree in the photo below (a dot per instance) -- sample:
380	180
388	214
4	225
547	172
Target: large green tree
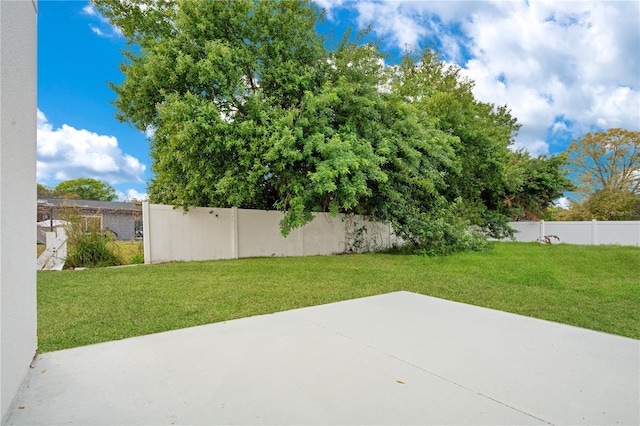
496	183
251	110
85	189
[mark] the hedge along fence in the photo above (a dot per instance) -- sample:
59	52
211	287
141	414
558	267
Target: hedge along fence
205	233
625	233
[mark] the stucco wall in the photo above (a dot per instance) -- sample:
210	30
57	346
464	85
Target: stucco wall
18	77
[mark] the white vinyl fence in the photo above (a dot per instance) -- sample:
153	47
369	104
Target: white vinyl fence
625	233
216	233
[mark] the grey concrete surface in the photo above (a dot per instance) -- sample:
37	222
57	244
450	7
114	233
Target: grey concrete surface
399	358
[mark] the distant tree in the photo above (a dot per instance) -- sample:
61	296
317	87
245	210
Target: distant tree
606	161
616	204
86	189
606	168
44	191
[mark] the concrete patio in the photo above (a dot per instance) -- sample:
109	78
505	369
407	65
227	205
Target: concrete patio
399	358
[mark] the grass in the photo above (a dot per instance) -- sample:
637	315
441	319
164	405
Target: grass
596	287
130	252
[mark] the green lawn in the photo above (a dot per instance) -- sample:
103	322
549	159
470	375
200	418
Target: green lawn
591	287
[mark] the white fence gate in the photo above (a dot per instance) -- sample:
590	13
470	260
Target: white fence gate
625	233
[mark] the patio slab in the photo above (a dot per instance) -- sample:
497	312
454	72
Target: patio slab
398	358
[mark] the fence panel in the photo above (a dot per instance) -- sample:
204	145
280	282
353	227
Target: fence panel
526	231
201	234
615	232
626	233
259	235
323	235
211	233
570	232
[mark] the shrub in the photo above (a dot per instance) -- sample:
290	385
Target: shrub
442	232
87	244
138	258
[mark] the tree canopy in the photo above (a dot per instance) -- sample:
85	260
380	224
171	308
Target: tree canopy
497	183
606	168
606	161
85	189
251	110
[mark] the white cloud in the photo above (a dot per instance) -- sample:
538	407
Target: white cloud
89	10
102	28
69	153
535	147
150	132
566	59
543	59
391	18
97	31
562	202
132	195
329	5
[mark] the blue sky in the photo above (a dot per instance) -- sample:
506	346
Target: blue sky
563	67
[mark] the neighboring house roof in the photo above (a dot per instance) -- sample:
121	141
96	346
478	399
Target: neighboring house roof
103	205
